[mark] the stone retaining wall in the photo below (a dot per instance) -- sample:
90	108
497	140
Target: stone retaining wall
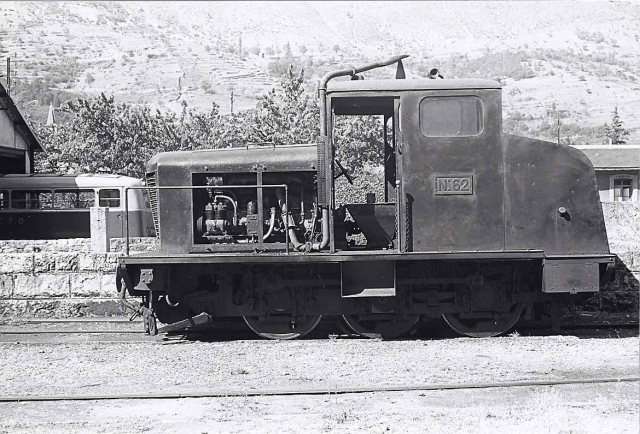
63	278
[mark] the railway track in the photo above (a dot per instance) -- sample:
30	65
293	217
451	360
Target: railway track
235	325
81	331
314	391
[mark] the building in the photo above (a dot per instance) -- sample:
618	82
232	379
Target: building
617	171
18	143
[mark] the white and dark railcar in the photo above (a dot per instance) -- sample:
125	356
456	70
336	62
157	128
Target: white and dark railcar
50	206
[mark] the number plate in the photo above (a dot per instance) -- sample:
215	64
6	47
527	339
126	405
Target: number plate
454	184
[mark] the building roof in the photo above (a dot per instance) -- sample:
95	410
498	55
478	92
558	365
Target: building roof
612	157
411	84
7	104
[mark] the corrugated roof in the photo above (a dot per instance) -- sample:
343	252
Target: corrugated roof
6	103
612	156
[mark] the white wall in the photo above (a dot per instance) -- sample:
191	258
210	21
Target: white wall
9	137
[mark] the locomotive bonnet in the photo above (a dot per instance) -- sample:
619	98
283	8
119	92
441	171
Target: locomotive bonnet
475	226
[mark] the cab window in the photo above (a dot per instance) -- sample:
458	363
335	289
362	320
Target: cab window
451	116
109	197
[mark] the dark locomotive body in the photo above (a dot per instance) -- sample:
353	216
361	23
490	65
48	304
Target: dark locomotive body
477	226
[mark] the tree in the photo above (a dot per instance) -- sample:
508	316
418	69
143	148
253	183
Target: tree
336	48
102	135
286	115
359	142
616	133
287	49
105	136
269	51
290	114
302	49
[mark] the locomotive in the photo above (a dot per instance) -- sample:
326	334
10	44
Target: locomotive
476	226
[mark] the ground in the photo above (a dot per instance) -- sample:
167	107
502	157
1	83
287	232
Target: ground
597	409
96	365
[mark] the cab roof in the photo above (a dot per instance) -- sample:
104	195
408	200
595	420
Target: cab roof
410	85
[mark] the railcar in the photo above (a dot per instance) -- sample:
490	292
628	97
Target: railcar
476	226
50	206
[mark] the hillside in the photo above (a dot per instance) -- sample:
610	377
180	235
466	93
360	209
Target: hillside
576	60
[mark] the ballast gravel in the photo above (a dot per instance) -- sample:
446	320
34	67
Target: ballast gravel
157	366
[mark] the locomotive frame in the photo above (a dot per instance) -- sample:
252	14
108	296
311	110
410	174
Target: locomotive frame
476	226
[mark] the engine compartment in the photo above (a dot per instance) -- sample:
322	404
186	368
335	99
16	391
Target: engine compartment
250	208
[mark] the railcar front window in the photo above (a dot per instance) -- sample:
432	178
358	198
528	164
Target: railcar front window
4	199
451	116
32	199
109	197
74	199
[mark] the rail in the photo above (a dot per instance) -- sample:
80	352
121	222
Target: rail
230	393
204	187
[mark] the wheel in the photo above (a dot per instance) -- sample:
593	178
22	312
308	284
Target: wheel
485	327
385	329
281	328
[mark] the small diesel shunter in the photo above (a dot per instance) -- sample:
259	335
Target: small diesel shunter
476	226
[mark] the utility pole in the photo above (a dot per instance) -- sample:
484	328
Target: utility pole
231	101
558	114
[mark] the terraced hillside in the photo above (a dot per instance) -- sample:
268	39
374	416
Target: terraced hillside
576	61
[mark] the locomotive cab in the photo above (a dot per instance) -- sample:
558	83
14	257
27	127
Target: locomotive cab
442	163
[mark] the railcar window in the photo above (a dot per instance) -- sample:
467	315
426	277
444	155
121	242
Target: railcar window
72	199
451	116
109	197
32	199
4	199
622	189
